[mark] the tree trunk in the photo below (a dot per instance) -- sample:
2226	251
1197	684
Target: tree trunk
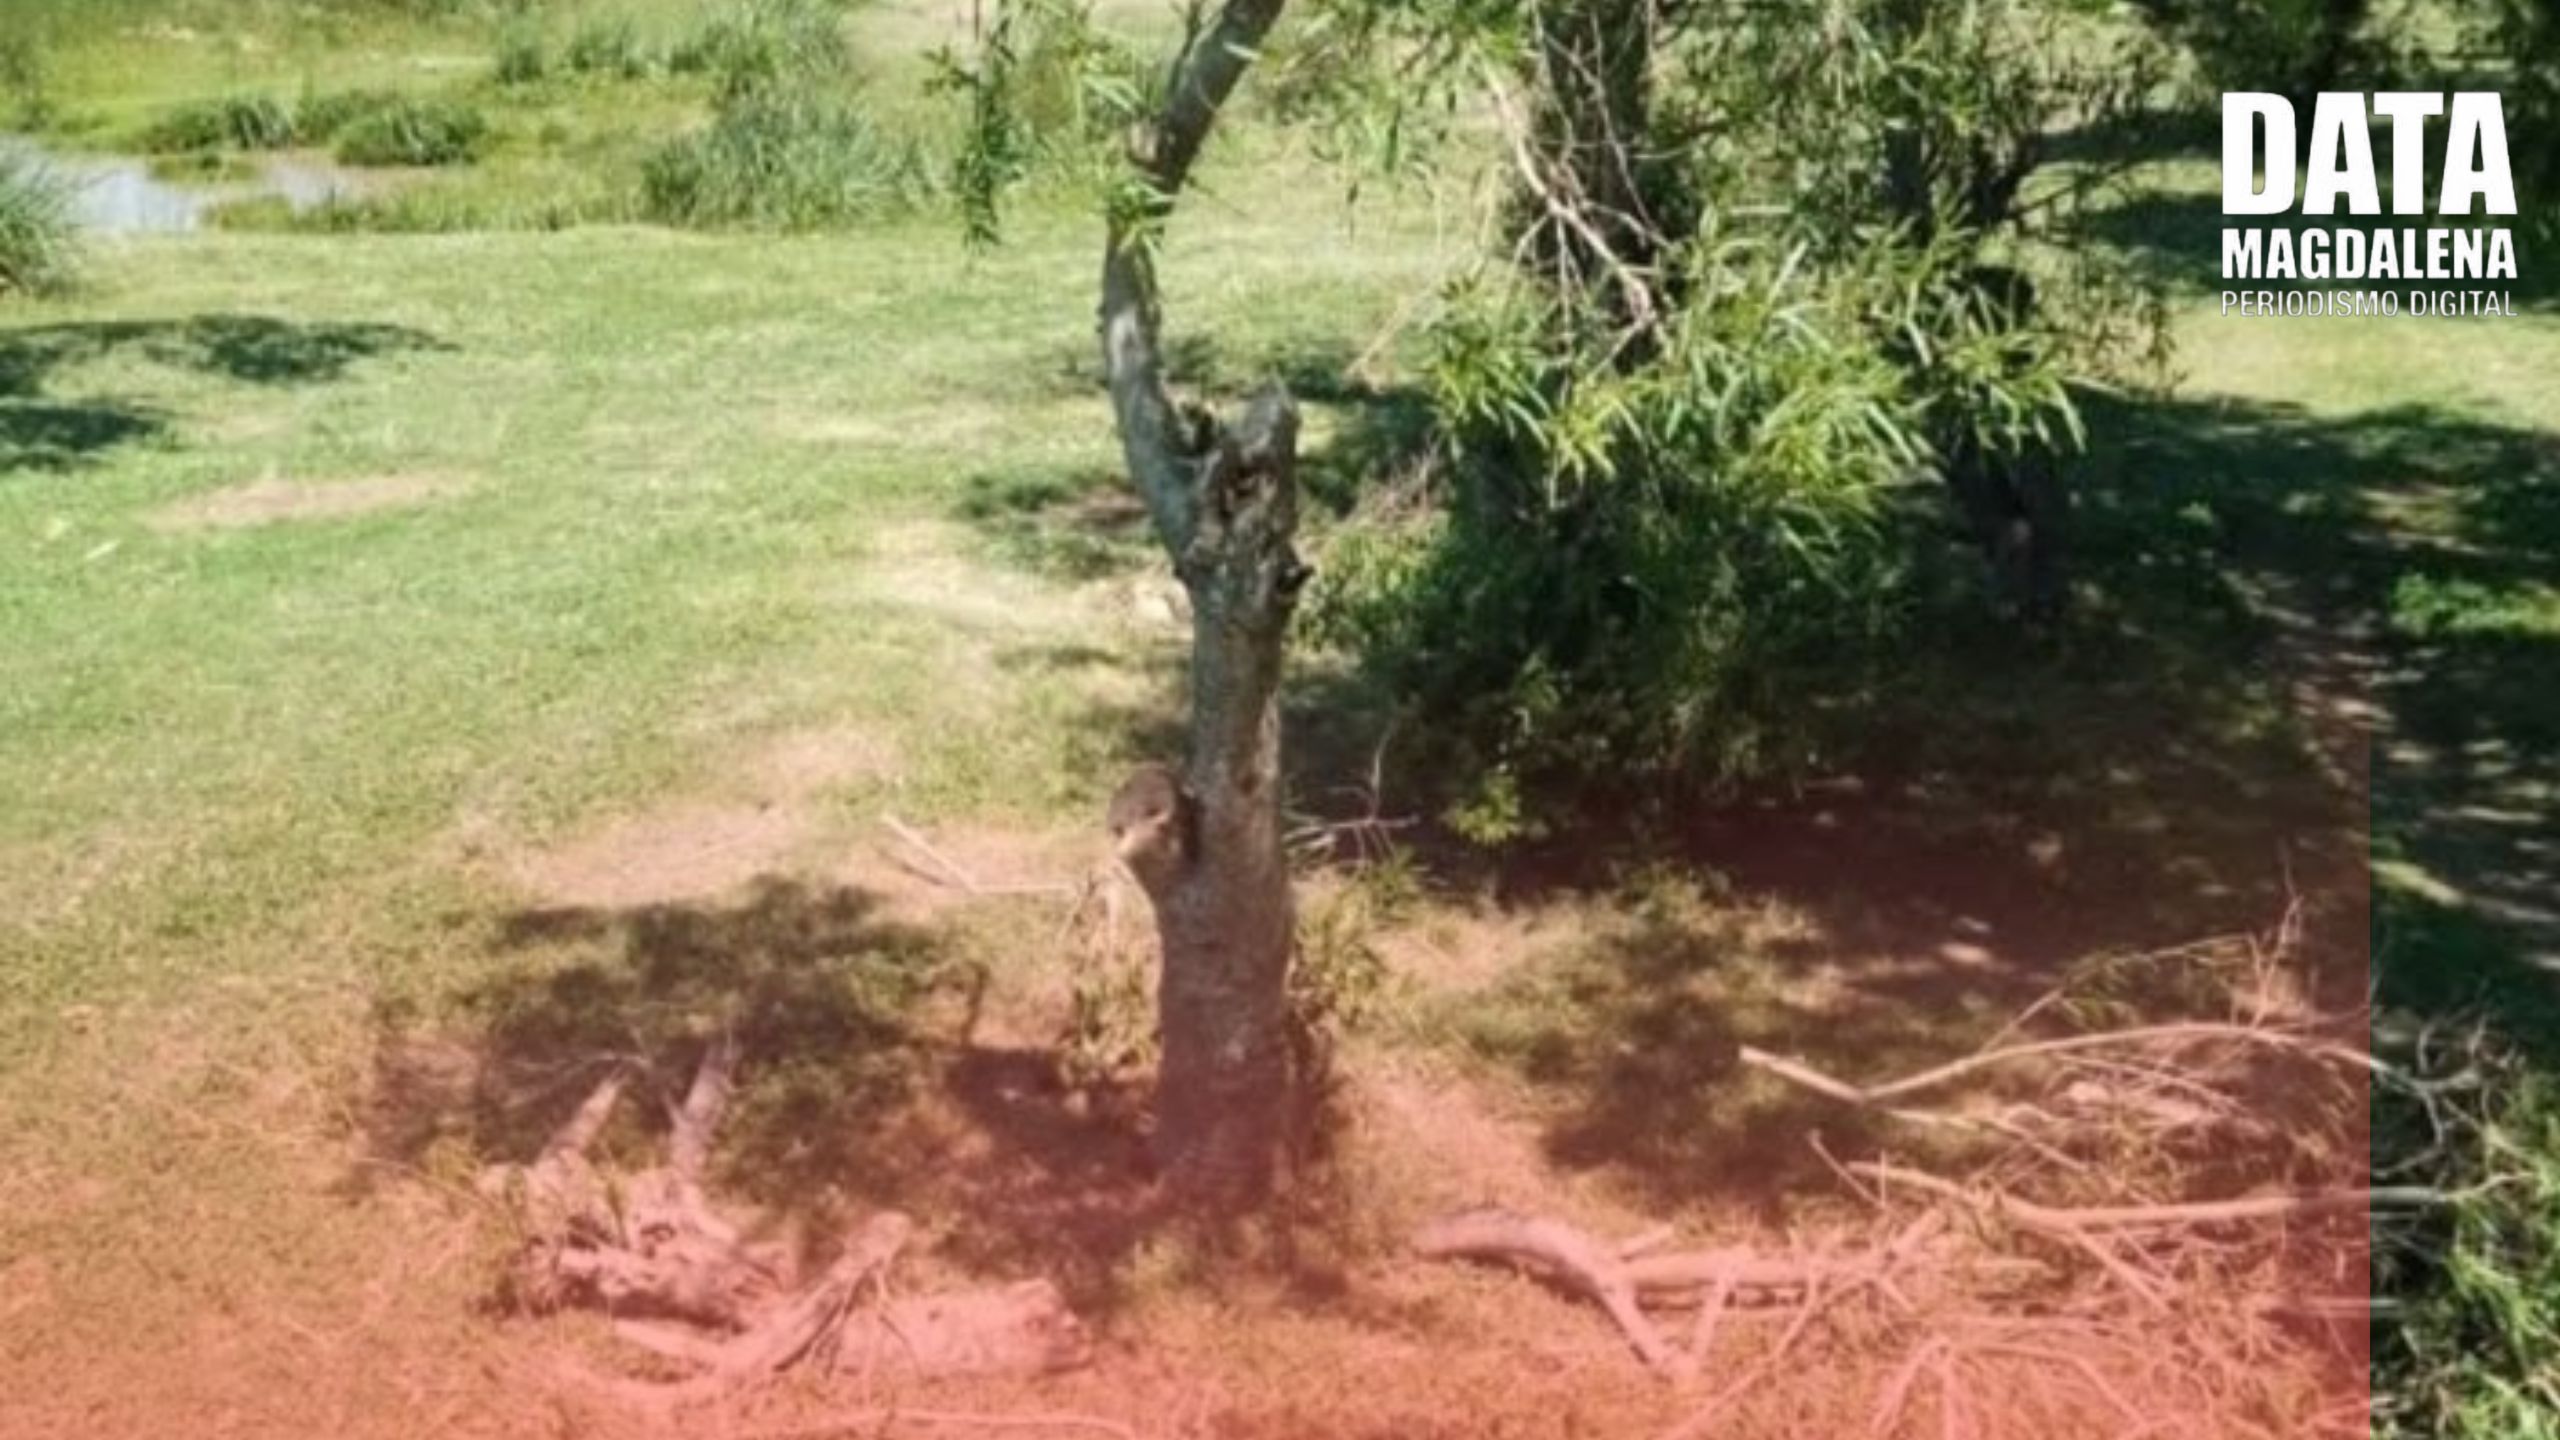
1207	846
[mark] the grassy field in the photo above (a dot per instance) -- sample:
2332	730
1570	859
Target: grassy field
428	651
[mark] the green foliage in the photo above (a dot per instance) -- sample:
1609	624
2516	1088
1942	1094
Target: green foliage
326	116
1110	1035
421	210
1668	541
38	248
414	132
522	57
2526	35
2295	48
1633	570
609	46
786	159
24	82
1045	87
237	122
788	148
763	44
1339	981
2468	1358
202	167
2430	607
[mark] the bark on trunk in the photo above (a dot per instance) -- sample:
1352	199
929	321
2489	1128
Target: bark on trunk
1207	846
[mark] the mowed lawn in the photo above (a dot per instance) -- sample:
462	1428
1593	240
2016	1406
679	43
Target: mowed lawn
320	549
353	584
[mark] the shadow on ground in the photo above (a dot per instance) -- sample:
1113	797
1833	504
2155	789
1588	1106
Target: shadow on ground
39	432
2297	642
862	1085
2287	623
2265	599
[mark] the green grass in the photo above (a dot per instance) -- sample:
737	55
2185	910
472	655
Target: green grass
413	132
716	480
573	99
38	249
681	494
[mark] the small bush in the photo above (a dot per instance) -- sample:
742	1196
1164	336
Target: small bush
23	82
38	248
781	161
609	47
237	122
764	42
325	117
521	57
415	132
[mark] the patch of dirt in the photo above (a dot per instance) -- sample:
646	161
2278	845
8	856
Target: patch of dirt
753	824
1429	1142
692	851
999	862
268	501
807	763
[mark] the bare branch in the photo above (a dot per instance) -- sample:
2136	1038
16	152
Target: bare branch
1558	1252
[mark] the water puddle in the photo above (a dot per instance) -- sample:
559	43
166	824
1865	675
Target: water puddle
118	194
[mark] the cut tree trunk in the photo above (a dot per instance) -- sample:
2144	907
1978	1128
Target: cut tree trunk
1206	844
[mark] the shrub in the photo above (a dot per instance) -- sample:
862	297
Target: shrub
23	82
521	57
609	46
2296	48
1639	578
237	122
325	117
763	42
791	160
415	132
38	247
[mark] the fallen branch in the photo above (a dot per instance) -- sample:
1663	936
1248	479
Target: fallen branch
1557	1252
953	875
1953	1070
2284	1205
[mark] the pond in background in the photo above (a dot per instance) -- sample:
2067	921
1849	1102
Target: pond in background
118	194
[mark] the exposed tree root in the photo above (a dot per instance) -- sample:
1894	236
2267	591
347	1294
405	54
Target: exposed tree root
682	1284
1712	1280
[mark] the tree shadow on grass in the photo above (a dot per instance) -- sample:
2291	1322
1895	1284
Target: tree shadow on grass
1068	522
51	435
862	1083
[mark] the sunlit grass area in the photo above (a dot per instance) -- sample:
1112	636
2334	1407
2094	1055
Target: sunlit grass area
506	646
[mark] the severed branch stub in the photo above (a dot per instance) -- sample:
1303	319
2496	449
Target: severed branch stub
681	1282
